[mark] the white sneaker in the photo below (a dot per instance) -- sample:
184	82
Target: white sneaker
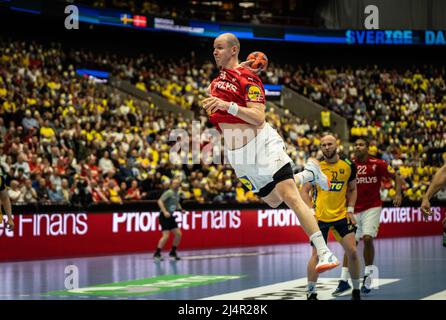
320	178
327	261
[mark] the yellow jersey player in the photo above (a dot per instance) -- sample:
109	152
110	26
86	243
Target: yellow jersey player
334	209
5	203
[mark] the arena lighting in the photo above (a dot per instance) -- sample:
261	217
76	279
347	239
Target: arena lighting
246	4
247	31
213	3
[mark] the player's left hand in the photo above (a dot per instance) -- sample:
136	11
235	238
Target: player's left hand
247	65
398	199
426	207
212	104
351	218
10	224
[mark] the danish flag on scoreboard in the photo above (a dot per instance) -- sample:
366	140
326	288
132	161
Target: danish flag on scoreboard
140	21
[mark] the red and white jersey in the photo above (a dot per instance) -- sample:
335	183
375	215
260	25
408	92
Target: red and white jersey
237	85
368	178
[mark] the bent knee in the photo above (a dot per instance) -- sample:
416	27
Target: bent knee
367	239
274	204
352	253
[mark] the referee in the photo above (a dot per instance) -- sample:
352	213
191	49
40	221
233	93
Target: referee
169	202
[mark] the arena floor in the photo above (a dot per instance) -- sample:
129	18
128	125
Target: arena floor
409	268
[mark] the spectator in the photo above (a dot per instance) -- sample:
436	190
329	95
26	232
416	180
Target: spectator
55	194
66	192
133	193
98	195
42	191
113	192
21	164
29	123
29	193
105	164
15	193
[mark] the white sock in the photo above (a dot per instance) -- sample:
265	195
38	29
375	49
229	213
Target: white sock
369	269
311	287
355	283
304	177
319	243
345	275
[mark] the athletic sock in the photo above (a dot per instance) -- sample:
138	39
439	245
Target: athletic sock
369	270
345	275
319	243
355	283
174	249
311	287
158	251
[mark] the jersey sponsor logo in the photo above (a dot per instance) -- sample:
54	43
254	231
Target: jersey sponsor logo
224	85
254	93
366	180
247	183
336	186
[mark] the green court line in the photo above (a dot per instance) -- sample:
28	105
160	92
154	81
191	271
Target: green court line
142	287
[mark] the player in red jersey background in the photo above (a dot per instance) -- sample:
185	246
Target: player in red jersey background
370	172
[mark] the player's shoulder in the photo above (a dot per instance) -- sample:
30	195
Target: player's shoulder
347	160
374	160
167	193
247	74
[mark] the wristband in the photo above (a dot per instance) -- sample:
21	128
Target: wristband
350	209
233	108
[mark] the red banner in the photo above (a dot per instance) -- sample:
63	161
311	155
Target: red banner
40	236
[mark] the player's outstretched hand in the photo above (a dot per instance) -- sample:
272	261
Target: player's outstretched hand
351	218
398	199
426	207
10	225
212	104
247	65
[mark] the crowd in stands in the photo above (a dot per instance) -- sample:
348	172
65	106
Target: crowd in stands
68	139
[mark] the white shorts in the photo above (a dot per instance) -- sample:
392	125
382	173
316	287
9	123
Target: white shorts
368	222
256	163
